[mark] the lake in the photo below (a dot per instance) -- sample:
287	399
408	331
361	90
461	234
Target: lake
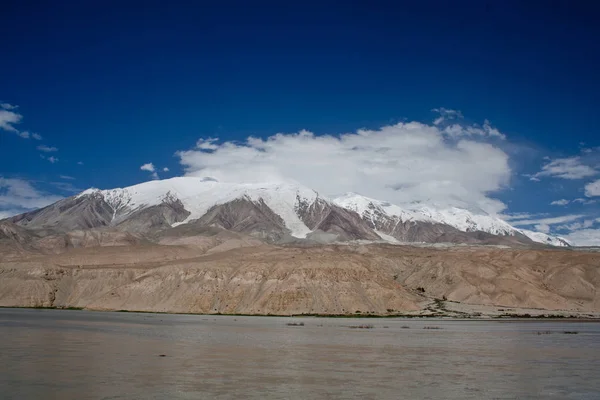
61	354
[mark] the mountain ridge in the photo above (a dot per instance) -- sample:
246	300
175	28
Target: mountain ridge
254	208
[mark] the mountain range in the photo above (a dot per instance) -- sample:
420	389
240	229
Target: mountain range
200	246
272	212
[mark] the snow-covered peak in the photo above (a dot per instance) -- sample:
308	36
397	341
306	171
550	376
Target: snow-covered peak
369	208
459	218
88	192
546	239
198	195
466	221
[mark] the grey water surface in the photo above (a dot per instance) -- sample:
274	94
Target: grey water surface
60	354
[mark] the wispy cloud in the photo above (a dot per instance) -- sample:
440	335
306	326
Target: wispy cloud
576	228
584	224
207	144
7	106
548	221
19	195
585	201
66	177
523	215
565	168
446	114
9	118
454	126
457	131
66	187
584	237
561	202
51	159
165	169
150	168
46	149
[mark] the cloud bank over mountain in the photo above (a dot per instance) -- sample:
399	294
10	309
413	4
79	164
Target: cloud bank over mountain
446	164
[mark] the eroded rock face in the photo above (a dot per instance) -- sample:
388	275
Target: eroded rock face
245	216
155	218
73	213
228	275
325	217
14	233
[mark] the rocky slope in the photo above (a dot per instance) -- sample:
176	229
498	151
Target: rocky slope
233	273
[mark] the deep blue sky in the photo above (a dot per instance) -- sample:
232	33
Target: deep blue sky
118	83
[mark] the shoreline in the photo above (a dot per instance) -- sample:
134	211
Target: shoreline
505	318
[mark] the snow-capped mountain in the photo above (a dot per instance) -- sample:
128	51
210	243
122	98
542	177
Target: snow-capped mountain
379	212
541	237
198	195
272	211
461	219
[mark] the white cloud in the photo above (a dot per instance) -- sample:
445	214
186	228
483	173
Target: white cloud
562	202
18	195
8	119
544	228
150	168
457	130
46	149
584	237
207	144
584	201
593	189
398	163
165	169
66	177
565	168
513	216
445	115
438	120
547	221
588	223
51	159
580	230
